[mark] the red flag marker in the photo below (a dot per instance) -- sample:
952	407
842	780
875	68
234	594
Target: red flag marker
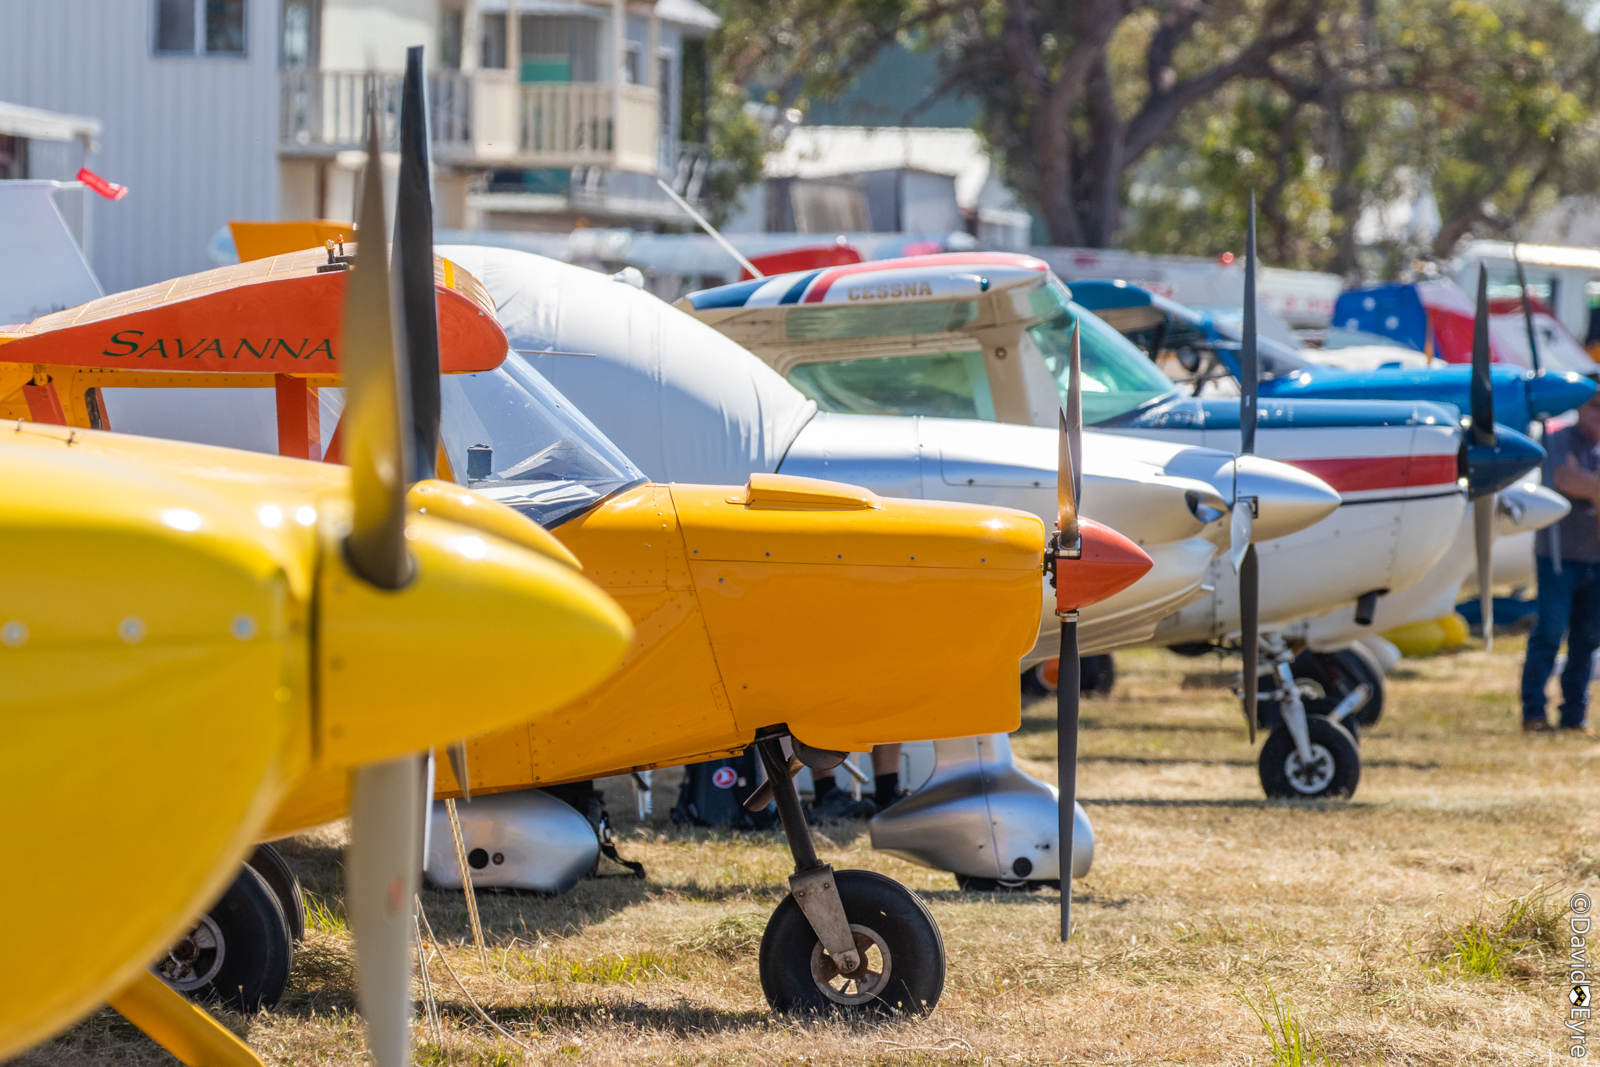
109	190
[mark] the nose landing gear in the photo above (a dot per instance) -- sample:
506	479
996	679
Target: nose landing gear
1306	756
846	941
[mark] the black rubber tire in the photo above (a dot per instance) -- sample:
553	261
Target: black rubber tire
1097	675
269	863
254	971
916	961
1363	667
1338	776
1033	683
1336	674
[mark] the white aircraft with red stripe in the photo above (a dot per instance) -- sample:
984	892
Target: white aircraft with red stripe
986	336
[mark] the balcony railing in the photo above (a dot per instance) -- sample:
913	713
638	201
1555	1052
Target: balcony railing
485	117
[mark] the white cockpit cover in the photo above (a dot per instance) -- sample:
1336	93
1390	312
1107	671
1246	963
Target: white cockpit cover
683	402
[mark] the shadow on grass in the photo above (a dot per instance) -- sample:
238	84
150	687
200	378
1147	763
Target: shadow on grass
1046	724
684	1019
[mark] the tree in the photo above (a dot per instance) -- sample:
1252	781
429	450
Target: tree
1490	104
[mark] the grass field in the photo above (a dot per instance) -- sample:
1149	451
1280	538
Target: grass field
1416	924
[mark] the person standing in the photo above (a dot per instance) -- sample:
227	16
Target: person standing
1569	579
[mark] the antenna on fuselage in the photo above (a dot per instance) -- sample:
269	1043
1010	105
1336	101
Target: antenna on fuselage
711	230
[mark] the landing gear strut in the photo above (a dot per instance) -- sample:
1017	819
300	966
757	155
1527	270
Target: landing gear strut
847	941
1306	756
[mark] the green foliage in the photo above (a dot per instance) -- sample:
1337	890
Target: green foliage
323	916
1488	103
1292	1043
1489	947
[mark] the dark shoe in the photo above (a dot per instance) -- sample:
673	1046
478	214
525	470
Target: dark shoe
1535	726
839	805
1582	730
885	803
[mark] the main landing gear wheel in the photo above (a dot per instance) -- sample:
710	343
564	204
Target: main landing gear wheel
902	954
1334	769
269	863
238	953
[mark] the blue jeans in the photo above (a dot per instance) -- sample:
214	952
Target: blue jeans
1569	606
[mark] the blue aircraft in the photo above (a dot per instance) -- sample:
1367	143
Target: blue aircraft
1155	323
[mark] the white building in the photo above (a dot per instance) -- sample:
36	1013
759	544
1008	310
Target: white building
543	111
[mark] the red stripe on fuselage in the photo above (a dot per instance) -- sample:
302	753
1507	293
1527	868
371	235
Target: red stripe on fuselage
1380	472
820	287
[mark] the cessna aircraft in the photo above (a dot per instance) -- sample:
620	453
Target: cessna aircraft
714	577
985	334
1195	341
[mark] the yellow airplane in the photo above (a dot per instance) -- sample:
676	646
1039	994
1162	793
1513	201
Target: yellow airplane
188	632
761	616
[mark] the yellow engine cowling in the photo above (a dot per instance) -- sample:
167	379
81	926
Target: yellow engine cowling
785	602
161	608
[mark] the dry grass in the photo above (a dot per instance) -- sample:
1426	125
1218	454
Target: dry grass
1416	924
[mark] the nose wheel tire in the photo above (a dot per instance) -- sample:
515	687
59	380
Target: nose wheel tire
238	953
902	954
1334	769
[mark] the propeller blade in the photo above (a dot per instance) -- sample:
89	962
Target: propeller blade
1241	527
1075	413
1069	451
1066	476
1068	695
1482	385
1241	523
381	872
1249	363
419	310
413	256
1483	538
1527	309
1250	631
376	423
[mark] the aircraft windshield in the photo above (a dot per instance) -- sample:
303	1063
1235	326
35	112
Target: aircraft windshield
1116	376
511	436
507	432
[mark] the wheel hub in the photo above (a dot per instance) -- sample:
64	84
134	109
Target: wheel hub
861	985
1313	776
196	958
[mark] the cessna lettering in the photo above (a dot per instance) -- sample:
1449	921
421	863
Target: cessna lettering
891	291
134	343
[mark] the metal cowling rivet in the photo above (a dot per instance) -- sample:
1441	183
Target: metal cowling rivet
243	627
14	634
131	629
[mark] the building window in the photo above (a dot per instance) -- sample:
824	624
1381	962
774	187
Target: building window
13	156
199	27
560	48
632	63
493	54
452	31
302	21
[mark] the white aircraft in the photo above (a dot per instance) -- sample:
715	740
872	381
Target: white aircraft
986	335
